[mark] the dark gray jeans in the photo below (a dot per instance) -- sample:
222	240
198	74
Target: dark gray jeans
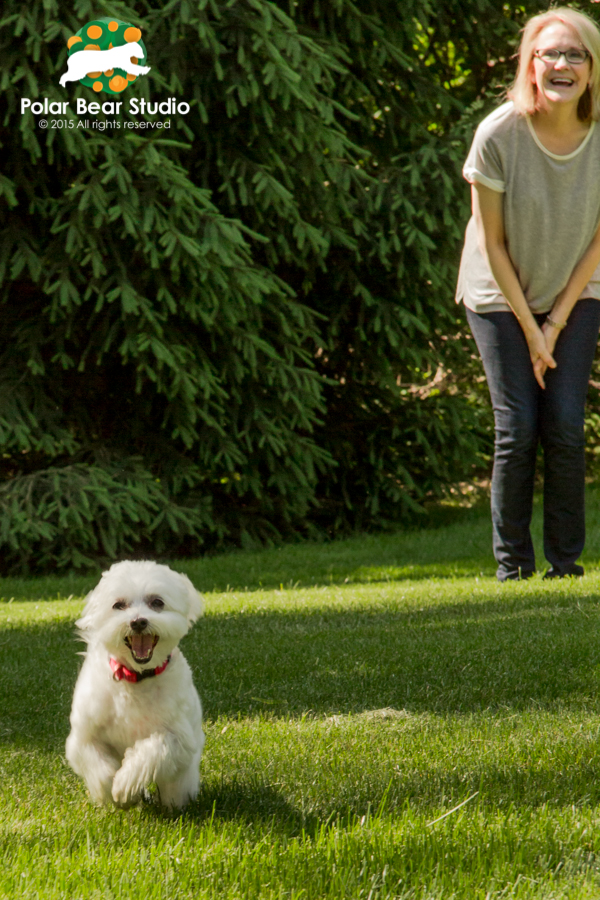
526	415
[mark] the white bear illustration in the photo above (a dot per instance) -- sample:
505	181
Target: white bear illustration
82	62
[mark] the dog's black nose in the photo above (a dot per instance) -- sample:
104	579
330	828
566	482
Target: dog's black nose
139	625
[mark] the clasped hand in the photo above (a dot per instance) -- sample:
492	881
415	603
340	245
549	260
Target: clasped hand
541	342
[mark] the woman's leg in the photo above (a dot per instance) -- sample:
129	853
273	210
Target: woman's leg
515	396
561	432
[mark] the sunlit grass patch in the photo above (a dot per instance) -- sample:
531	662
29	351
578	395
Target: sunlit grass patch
369	734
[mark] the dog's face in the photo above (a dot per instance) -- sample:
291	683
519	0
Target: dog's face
139	612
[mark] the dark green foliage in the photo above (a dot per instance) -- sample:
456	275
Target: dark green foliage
239	327
137	322
110	509
416	76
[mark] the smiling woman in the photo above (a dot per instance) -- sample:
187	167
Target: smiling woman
530	279
542	36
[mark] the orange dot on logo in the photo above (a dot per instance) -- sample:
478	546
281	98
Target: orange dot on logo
109	73
118	83
131	77
97	86
91	47
132	34
94	32
112	26
94	74
73	40
134	59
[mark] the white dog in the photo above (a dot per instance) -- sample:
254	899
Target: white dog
81	63
136	717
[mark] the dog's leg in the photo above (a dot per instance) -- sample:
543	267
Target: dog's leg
95	763
160	759
185	788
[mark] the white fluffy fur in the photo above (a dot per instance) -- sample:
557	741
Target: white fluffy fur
125	736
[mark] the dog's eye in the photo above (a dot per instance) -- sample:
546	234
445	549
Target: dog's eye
156	603
120	604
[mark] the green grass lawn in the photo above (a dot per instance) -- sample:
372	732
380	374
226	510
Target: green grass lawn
383	720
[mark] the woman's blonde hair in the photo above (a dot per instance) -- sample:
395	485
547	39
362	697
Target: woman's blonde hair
523	92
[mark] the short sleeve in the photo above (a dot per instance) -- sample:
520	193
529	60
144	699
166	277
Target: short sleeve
484	164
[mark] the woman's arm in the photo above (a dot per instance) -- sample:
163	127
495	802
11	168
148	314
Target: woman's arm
568	297
488	210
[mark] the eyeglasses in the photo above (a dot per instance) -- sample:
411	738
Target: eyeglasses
574	55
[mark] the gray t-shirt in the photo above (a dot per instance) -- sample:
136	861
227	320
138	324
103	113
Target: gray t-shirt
551	211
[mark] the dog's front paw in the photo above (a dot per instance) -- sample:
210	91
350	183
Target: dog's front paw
126	787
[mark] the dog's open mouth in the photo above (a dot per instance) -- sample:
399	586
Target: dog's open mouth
142	646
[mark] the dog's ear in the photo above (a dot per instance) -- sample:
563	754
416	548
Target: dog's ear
92	610
86	623
195	600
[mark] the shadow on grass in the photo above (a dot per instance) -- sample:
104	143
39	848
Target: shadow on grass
458	658
514	651
241	801
520	652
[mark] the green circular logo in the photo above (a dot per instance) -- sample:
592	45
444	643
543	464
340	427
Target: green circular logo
121	56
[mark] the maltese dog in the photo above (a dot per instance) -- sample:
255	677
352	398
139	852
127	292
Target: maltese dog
136	718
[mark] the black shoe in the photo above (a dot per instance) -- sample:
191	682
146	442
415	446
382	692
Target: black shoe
573	571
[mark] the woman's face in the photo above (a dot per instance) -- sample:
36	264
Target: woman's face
559	82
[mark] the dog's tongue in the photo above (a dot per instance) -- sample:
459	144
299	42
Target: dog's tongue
142	645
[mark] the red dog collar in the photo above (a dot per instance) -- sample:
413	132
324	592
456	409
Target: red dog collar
120	671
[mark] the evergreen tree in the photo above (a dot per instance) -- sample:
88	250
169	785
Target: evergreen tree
231	329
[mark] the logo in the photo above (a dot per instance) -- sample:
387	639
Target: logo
105	55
